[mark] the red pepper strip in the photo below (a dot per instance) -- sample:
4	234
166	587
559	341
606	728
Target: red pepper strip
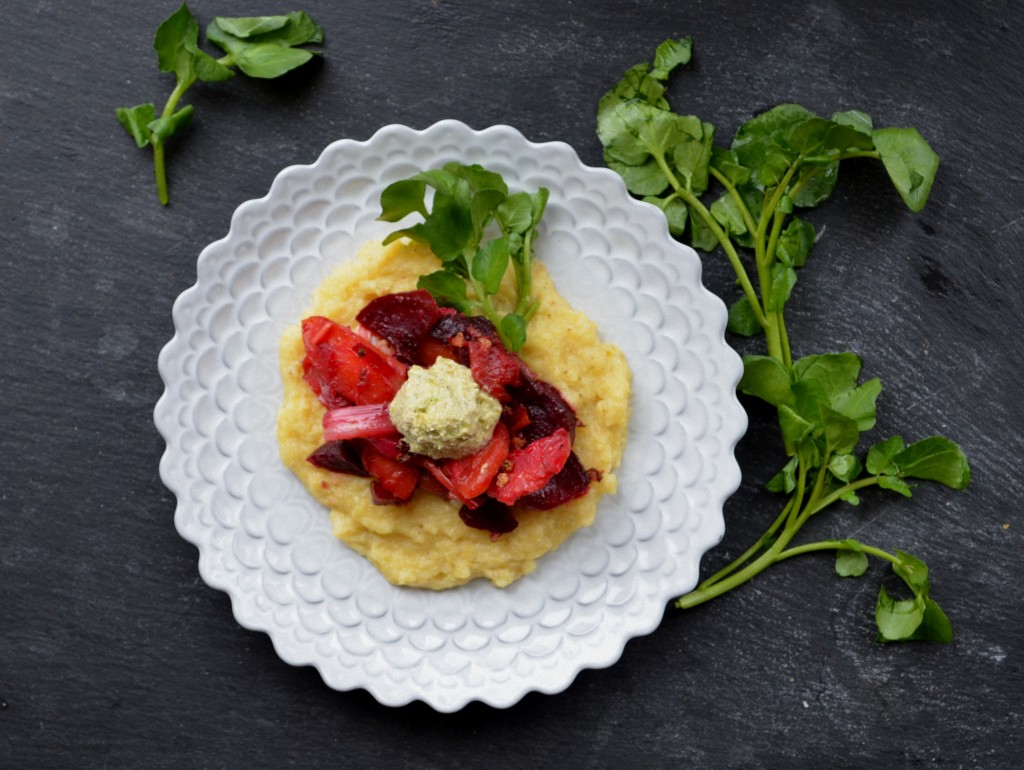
343	367
398	478
441	477
366	421
531	467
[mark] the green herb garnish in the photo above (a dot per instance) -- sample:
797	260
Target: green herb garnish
476	228
783	160
261	47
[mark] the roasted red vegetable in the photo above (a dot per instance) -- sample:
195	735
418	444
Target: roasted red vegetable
531	467
365	421
343	368
403	319
528	460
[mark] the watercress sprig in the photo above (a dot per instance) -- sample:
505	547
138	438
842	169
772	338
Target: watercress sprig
780	161
467	201
260	47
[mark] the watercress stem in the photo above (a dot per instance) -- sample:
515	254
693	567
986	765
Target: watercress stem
159	164
730	253
835	545
743	558
748	218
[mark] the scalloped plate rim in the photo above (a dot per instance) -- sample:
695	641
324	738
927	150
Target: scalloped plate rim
175	482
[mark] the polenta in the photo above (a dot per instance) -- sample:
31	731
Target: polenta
424	543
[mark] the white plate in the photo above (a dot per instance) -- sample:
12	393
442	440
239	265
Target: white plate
265	542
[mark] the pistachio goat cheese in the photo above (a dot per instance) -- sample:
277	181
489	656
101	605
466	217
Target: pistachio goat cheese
442	413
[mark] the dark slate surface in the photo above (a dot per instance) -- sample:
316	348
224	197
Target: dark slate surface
112	650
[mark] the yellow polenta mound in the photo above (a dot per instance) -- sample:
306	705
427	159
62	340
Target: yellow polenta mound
424	543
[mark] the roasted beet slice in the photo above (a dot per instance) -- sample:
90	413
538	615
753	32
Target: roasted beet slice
493	367
340	457
492	516
474	342
569	483
403	319
547	409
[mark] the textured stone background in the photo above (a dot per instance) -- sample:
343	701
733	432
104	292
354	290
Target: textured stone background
113	651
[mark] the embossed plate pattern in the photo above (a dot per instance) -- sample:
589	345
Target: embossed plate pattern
266	543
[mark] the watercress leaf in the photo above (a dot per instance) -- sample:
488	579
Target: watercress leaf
809	399
855	119
897	619
816	184
489	264
849	496
742	319
636	83
795	243
851	563
671	54
538	205
513	331
701	235
913	571
447	288
810	135
175	41
775	166
293	29
449	228
910	162
675	212
643	179
859	403
795	428
250	26
934	459
270	60
837	372
841	433
760	143
229	43
880	456
162	129
842	137
935	626
783	279
621	127
785	205
785	479
478	177
691	156
401	198
728	165
136	121
299	29
482	206
658	132
895	484
208	69
516	245
728	214
515	213
417	232
444	182
766	378
845	467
